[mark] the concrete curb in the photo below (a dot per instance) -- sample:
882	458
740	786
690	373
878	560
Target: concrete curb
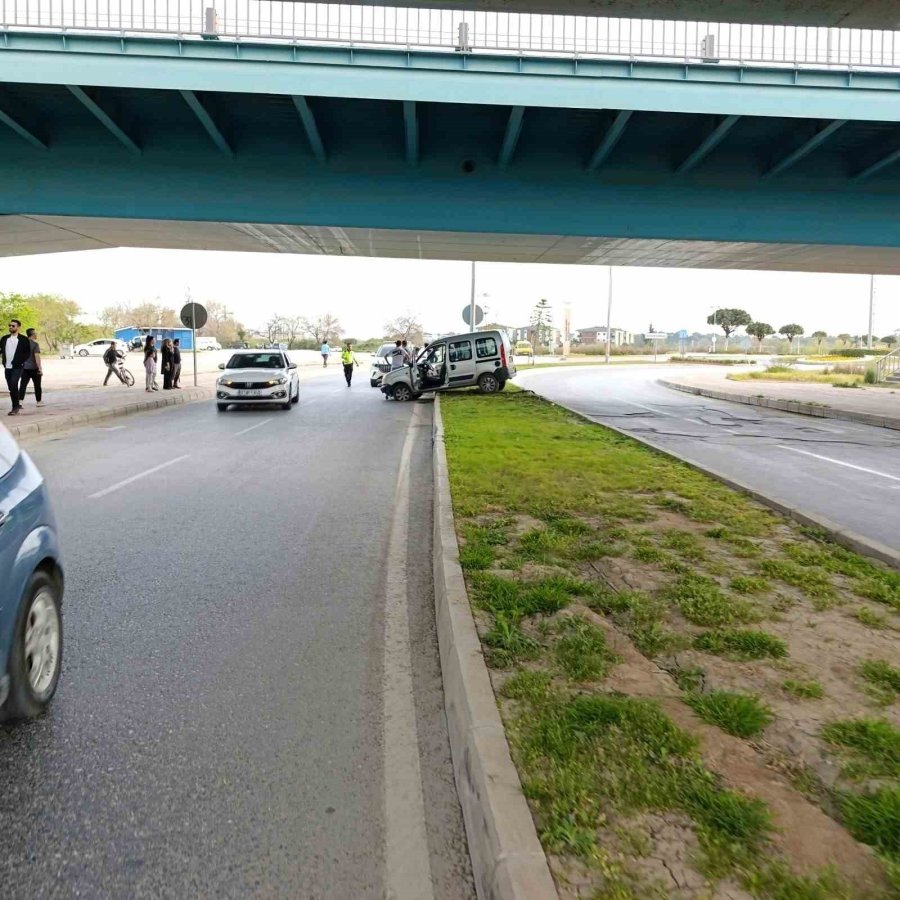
77	419
843	536
508	862
793	406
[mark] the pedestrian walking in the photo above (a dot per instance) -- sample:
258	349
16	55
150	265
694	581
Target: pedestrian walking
150	360
111	358
168	364
32	371
15	350
176	362
349	360
326	352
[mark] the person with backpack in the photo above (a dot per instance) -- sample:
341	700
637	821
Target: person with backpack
111	358
32	370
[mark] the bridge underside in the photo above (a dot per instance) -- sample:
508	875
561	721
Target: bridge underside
23	235
843	13
234	147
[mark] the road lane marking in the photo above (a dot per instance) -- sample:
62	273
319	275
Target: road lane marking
408	865
650	409
114	428
839	462
138	477
257	425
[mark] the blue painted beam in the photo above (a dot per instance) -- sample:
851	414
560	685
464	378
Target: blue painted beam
708	144
511	137
411	131
882	163
805	148
104	118
610	139
367	73
310	127
22	131
206	120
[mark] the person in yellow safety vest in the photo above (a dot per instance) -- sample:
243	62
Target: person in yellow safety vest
348	358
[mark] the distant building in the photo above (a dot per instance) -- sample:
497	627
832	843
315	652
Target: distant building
549	337
597	335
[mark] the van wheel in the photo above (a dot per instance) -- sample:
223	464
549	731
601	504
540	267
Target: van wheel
402	392
35	659
488	383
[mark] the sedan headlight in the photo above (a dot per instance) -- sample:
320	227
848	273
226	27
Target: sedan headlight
225	381
274	381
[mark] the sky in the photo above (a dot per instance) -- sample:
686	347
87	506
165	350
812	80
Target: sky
366	293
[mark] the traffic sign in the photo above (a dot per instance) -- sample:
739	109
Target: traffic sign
682	335
479	315
193	315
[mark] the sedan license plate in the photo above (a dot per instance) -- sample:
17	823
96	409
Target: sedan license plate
249	393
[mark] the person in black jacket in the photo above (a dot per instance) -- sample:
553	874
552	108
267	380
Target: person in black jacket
168	364
176	360
15	351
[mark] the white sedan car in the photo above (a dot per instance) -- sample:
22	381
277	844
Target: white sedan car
99	347
255	377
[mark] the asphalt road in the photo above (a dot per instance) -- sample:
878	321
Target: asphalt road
846	472
230	721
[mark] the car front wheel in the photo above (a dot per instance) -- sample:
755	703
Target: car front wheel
36	656
83	353
402	392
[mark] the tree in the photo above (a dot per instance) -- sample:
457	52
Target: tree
154	314
275	328
760	330
541	324
818	337
220	324
844	339
790	332
115	317
406	328
729	320
889	339
15	306
322	328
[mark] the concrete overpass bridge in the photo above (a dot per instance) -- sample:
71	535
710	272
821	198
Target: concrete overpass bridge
282	138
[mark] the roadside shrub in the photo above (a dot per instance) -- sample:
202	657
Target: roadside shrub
739	714
869	377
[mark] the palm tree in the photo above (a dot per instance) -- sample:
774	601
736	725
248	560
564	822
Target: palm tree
818	337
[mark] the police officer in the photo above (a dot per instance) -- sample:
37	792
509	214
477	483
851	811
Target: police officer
348	358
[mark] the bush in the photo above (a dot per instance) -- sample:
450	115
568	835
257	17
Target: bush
869	377
851	353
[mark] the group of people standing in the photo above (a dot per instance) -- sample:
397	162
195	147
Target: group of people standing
171	363
20	356
402	355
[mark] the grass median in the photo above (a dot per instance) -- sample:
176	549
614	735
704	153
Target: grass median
643	622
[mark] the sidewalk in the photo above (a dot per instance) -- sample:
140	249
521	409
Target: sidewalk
72	407
870	406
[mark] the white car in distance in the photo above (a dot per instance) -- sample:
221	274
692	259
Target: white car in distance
99	347
254	377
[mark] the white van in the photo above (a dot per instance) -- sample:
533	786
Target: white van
481	358
208	343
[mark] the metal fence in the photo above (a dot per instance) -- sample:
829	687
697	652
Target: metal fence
584	36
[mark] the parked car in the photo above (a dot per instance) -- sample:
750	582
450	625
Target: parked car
524	348
208	343
31	587
482	358
381	364
258	376
98	347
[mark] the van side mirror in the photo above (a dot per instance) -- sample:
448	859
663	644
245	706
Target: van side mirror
221	365
292	366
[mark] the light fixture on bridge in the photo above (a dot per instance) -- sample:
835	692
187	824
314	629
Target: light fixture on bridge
210	24
463	44
708	49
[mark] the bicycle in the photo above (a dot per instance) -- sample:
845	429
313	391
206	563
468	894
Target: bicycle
125	375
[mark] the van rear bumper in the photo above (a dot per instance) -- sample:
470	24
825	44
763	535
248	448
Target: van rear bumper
502	372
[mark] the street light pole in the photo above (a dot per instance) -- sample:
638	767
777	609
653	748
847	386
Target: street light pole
871	309
609	316
472	301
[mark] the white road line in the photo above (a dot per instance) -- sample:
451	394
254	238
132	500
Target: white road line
650	409
137	477
839	462
257	425
406	843
114	428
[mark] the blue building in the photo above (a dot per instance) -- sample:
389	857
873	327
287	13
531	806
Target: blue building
135	335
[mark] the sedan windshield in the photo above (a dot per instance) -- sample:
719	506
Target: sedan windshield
256	361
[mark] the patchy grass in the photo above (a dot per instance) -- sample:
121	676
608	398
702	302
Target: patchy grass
872	746
804	690
883	678
777	373
874	818
581	650
739	714
744	644
662	552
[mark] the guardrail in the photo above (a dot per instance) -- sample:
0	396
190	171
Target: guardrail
887	365
464	31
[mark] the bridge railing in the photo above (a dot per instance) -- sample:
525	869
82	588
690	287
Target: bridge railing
887	365
465	31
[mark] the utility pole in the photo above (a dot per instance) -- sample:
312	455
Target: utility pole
871	309
472	301
609	316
